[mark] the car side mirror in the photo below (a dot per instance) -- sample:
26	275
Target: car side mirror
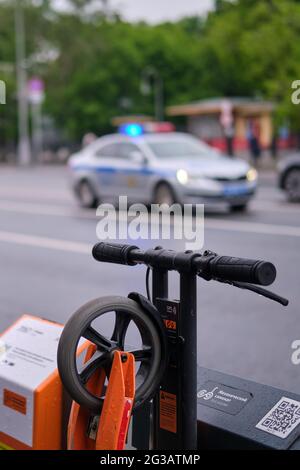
137	157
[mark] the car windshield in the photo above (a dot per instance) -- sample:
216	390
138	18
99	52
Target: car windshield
181	148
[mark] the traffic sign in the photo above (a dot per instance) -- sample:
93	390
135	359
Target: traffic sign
36	90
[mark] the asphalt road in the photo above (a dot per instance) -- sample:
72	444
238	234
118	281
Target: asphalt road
47	270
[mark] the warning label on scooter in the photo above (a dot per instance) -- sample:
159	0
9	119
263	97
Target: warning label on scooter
221	397
169	311
14	401
168	411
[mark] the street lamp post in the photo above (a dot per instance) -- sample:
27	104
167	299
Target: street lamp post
24	151
105	7
152	74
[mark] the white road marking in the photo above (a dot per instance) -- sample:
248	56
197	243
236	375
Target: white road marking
45	209
278	206
45	242
66	210
210	222
253	227
36	193
86	248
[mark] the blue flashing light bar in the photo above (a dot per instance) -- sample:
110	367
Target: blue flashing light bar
131	130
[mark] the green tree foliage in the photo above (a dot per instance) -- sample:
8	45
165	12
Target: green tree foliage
254	50
243	48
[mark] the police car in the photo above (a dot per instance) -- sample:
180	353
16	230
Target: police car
159	168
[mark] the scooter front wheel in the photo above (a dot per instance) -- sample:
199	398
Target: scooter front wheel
149	355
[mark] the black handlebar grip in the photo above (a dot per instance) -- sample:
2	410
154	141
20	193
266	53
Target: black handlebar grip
113	253
242	270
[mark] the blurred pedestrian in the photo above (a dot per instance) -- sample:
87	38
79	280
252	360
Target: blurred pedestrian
254	144
88	139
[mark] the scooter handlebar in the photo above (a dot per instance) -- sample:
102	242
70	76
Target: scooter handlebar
242	270
209	265
114	253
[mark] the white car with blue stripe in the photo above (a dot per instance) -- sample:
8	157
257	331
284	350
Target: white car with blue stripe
159	168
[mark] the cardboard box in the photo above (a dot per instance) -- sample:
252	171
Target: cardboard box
31	395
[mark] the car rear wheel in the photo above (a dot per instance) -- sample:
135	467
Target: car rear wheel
292	184
164	195
86	195
239	207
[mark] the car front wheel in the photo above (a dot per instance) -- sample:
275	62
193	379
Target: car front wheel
164	195
292	184
86	195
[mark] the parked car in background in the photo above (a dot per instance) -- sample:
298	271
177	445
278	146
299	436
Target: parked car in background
289	177
159	168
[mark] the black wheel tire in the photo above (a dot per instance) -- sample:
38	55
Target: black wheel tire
67	350
292	185
164	194
239	208
86	195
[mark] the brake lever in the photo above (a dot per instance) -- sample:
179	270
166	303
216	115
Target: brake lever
258	290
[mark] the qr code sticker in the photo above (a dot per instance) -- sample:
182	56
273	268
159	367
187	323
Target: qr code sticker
282	419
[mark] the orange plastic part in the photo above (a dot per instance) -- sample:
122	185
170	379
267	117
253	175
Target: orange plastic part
109	430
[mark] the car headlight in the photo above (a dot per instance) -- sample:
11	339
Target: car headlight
252	175
182	176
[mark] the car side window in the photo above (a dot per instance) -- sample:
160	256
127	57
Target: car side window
126	149
117	150
110	150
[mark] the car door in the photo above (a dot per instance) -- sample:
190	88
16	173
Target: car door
133	172
105	162
118	173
